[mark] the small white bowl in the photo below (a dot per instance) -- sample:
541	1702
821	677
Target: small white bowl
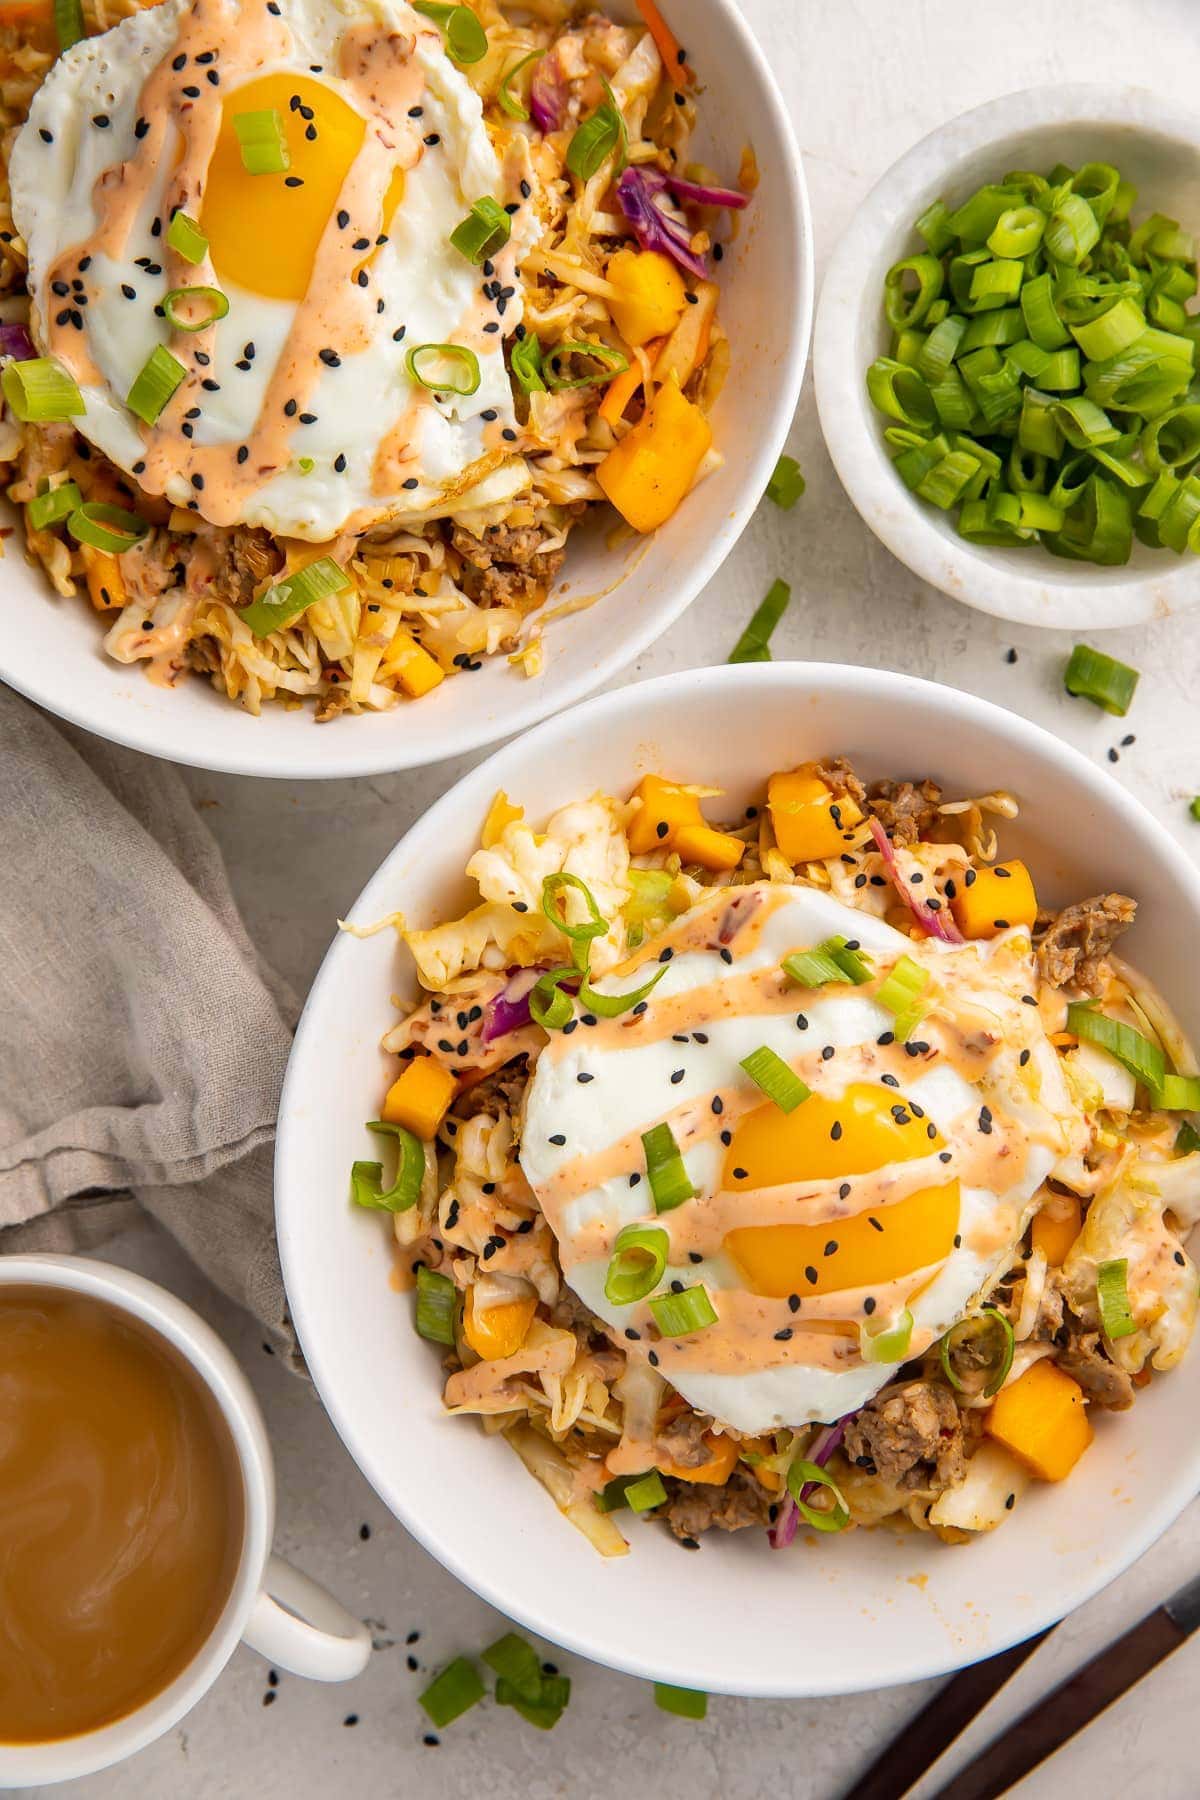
828	1616
51	649
1157	150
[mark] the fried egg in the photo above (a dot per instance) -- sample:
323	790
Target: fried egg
298	409
901	1184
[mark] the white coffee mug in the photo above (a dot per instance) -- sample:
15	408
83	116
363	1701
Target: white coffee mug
281	1613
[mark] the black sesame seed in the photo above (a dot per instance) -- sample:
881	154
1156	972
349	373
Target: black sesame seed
727	1138
1114	756
411	483
1011	656
801	1022
243	452
139	468
634	1178
509	435
677	1076
101	121
781	1337
890	1080
1180	1258
308	418
665	955
558	1137
632	1334
835	1131
652	1359
339	464
489	414
397	335
886	1037
868	1305
1024	1057
310	132
694	1256
526	190
179	62
290	408
432	139
827	1053
831	1247
140	129
945	1156
293	181
361	243
793	1303
191	92
584	1076
718	1105
130	293
197	482
811	1276
210	386
718	251
739	1174
726	955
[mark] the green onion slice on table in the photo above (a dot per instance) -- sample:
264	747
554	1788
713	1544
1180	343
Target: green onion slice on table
1091	675
685	1703
786	485
453	1692
754	645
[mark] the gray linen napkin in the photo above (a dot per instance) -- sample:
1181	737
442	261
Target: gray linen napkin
142	1039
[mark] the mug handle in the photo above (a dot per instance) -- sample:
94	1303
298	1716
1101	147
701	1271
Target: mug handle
298	1624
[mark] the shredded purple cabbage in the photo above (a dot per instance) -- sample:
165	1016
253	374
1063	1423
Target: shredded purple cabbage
938	924
826	1442
655	229
16	343
509	1011
547	96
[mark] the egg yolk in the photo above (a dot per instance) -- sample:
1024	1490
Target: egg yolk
263	234
865	1128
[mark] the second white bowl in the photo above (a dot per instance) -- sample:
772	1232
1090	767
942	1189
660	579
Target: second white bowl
1157	150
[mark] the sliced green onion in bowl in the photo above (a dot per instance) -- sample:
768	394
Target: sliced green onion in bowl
516	109
485	230
287	599
1112	1298
1187	1139
754	645
645	1493
984	1344
611	1497
68	23
262	142
889	1345
106	527
549	1007
1091	675
684	1703
405	1191
444	368
466	39
453	1692
803	1475
1144	1060
611	1006
598	138
676	1315
213	298
558	378
153	386
525	361
786	485
558	885
1178	1093
186	238
834	960
40	391
437	1301
901	994
906	305
778	1082
666	1170
638	1261
54	505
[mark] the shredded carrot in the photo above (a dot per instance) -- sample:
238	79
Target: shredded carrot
621	391
668	44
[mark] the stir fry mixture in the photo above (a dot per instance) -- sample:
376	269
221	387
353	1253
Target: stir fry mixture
794	1168
323	327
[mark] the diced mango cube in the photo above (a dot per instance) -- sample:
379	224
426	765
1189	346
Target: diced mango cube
1042	1419
649	472
810	821
987	901
1056	1227
665	807
652	294
419	1097
417	671
500	1330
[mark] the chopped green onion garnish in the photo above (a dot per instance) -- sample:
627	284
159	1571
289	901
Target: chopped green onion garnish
639	1258
485	230
834	960
1187	1139
611	1006
901	995
452	1693
596	139
648	895
779	1083
559	380
516	1660
1091	675
56	504
549	1007
68	22
287	599
594	926
261	139
40	391
186	237
366	1183
754	645
1144	1060
803	1475
890	1346
158	379
1194	808
410	1170
427	364
646	1492
678	1314
665	1169
526	364
437	1298
516	109
466	40
1112	1296
210	297
685	1703
986	1340
546	1710
786	485
611	1497
106	527
1178	1093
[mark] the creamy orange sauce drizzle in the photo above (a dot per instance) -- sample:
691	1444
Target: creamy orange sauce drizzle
382	76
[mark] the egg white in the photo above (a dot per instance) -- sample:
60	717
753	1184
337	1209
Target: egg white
631	1090
425	284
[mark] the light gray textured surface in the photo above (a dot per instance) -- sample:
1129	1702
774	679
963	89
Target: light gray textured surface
864	79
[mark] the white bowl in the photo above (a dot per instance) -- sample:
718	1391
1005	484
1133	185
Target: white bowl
53	651
829	1616
1157	149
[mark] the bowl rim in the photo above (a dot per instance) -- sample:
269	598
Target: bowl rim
470	794
980	577
379	752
